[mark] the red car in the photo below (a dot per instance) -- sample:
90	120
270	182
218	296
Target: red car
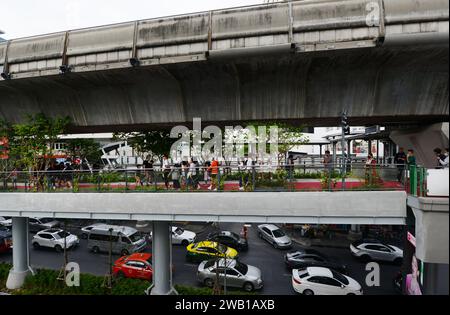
137	266
5	240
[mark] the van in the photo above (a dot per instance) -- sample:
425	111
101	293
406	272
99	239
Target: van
124	240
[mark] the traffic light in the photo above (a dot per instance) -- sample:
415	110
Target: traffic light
344	123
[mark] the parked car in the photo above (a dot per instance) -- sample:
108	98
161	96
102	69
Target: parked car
370	249
39	224
137	266
180	236
6	221
230	239
124	240
312	258
229	271
5	239
54	238
87	229
323	281
206	250
274	235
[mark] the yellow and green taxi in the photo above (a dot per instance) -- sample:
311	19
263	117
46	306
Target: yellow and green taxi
206	250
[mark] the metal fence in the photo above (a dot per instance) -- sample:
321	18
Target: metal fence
251	178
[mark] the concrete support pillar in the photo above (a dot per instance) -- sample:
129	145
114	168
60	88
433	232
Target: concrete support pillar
355	232
162	259
21	255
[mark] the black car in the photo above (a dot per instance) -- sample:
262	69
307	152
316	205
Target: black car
312	258
229	239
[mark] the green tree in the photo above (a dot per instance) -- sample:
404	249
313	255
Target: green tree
33	141
149	144
289	136
84	149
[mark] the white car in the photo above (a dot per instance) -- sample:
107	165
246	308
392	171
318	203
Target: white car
6	221
181	236
87	229
54	238
274	235
368	250
323	281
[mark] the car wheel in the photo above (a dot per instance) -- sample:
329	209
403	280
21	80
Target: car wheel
275	245
95	249
120	275
365	258
308	292
208	282
36	245
260	235
351	294
124	252
248	287
58	248
398	261
185	242
84	236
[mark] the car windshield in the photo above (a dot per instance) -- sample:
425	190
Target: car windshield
340	277
278	233
221	248
235	236
390	247
135	237
63	234
179	231
46	220
242	268
210	263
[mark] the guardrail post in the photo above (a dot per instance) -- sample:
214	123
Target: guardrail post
253	178
218	179
126	180
413	180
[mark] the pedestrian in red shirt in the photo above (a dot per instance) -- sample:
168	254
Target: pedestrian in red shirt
214	169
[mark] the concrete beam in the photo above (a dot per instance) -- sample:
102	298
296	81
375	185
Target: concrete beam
432	228
423	141
374	207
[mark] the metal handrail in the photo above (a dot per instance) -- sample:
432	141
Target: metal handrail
285	177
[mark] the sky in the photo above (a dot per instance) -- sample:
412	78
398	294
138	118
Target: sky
22	18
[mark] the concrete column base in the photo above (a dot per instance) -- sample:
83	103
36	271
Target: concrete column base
16	279
151	291
353	236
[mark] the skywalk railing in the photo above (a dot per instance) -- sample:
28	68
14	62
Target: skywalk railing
245	178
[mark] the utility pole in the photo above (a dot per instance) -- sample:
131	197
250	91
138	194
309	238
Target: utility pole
107	282
345	130
63	273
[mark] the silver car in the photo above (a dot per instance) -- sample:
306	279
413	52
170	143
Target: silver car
39	224
230	272
274	235
368	249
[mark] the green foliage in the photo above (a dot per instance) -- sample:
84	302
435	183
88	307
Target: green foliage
84	149
45	282
32	142
289	136
153	144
